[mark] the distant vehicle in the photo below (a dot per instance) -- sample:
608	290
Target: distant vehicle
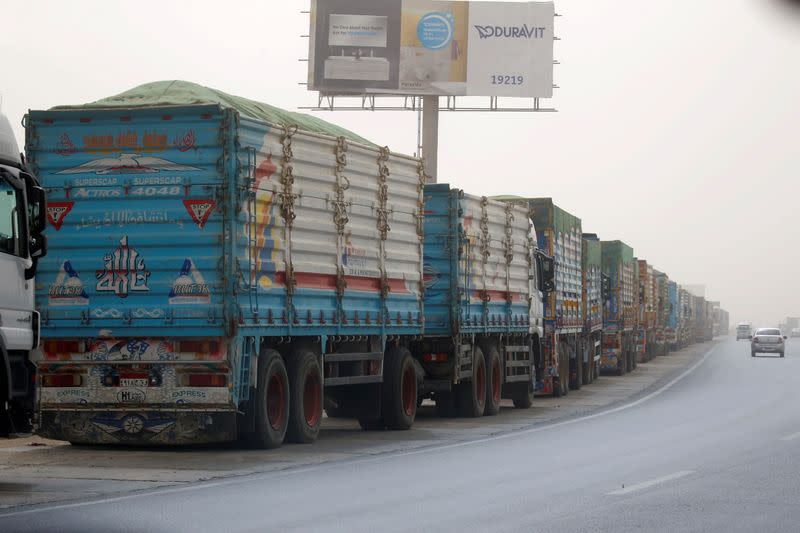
743	330
795	332
767	340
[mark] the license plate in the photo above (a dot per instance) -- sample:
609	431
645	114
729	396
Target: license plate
133	382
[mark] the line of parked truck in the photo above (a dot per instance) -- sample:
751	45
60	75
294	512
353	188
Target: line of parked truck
219	270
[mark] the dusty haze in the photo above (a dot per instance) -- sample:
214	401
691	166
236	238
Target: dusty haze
677	128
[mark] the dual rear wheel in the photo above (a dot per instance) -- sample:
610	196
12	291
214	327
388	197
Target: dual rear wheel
481	394
287	403
399	392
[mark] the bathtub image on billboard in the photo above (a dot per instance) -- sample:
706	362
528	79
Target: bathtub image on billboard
355	45
365	33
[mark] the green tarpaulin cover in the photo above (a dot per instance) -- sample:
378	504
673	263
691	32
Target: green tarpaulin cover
178	93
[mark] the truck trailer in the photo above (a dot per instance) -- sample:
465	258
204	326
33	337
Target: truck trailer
22	246
673	316
592	306
484	281
559	236
219	267
685	328
662	311
647	312
619	315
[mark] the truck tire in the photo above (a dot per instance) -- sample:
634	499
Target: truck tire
563	376
587	372
523	395
305	406
494	381
400	389
578	381
752	353
271	402
472	393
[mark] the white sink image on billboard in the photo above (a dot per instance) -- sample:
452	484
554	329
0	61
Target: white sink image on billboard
353	68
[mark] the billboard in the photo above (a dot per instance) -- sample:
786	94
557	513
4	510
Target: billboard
432	47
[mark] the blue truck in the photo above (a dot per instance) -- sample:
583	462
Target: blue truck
224	270
484	280
218	268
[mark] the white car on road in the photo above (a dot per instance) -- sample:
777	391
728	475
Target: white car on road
767	340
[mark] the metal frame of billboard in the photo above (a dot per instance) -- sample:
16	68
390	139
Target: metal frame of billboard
327	102
426	106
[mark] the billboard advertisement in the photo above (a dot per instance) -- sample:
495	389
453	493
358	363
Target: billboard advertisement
432	47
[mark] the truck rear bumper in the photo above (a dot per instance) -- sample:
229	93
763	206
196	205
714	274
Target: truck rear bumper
137	427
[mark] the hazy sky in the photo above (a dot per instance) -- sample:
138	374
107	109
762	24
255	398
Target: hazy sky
678	128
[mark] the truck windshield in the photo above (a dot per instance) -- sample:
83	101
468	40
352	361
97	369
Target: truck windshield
9	219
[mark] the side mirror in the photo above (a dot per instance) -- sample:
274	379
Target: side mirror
37	222
37	213
546	271
38	249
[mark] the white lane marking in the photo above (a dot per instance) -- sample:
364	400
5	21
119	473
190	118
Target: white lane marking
792	436
652	482
307	468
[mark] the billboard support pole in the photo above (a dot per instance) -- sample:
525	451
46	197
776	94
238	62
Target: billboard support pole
430	135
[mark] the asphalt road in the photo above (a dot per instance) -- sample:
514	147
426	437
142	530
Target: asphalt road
716	449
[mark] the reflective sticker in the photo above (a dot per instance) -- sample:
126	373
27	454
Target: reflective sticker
57	212
200	210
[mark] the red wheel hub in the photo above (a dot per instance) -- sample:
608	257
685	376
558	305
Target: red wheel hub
409	390
276	402
312	399
480	383
496	382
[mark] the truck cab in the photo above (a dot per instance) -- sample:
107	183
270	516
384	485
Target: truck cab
22	221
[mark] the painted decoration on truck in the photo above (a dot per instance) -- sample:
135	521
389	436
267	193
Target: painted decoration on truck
65	147
57	212
68	288
200	210
189	288
132	425
267	235
185	142
124	271
127	141
430	276
128	164
355	259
